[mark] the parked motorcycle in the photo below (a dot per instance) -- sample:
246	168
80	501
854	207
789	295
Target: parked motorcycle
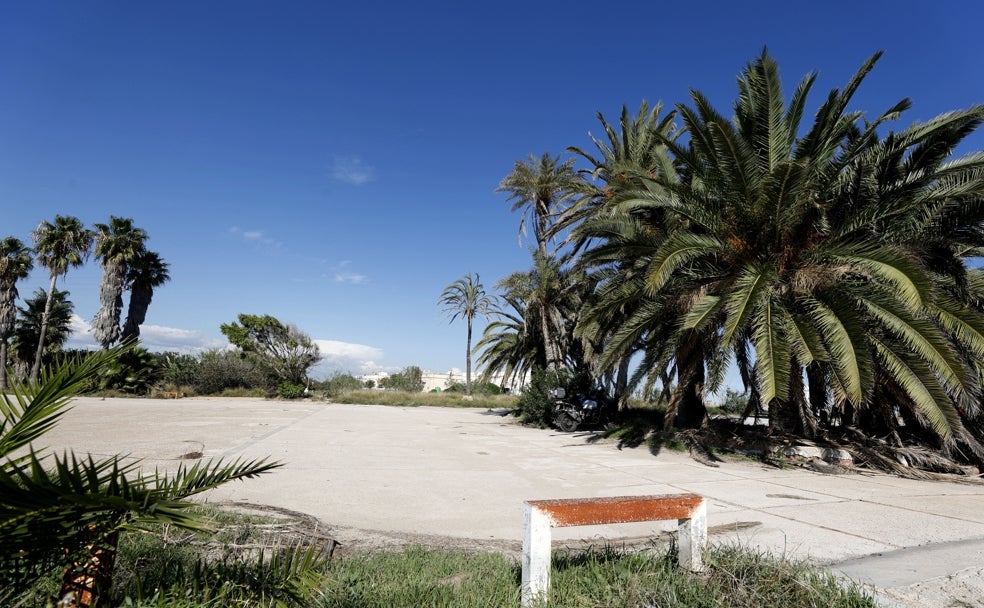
571	414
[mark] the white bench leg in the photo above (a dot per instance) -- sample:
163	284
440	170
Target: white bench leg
536	556
693	539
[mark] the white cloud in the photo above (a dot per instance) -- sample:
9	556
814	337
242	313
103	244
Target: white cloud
346	356
352	170
345	276
155	338
255	236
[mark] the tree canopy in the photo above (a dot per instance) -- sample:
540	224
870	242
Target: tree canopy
284	350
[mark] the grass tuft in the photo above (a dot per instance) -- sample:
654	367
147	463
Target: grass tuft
405	399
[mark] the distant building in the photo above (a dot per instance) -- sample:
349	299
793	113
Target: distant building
434	381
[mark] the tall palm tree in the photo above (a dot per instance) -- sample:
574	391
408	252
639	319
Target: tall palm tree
466	298
147	272
58	246
633	153
118	244
828	254
15	264
541	187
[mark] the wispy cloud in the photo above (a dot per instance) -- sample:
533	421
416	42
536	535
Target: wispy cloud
352	170
343	275
347	356
157	338
257	237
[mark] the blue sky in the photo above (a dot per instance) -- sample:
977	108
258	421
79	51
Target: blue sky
335	164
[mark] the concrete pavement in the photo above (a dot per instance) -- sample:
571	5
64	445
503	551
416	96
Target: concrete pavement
464	473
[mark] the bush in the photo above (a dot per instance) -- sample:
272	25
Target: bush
734	402
220	370
339	383
535	405
290	390
478	388
410	379
179	370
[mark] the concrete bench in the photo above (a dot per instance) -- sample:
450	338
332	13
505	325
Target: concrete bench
542	515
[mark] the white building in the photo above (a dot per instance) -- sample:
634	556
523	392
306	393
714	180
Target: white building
434	381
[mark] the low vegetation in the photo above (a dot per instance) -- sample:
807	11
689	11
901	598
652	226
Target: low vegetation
442	399
153	570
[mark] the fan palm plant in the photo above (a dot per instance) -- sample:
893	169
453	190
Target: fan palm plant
58	246
466	298
147	272
118	245
66	512
15	264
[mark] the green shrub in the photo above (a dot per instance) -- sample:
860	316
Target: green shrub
535	405
339	383
478	388
220	370
290	390
410	379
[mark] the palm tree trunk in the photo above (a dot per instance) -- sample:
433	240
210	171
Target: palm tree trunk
136	313
468	384
549	345
3	364
90	580
44	328
690	410
622	383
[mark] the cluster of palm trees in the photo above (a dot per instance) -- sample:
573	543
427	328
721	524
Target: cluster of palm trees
66	243
832	263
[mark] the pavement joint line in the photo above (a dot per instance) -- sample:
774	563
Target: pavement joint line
258	438
764	511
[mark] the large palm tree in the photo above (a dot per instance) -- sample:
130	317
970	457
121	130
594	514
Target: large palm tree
633	152
118	244
466	298
832	256
58	246
541	188
15	264
147	272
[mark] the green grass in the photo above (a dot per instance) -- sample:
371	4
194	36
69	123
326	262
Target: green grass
400	398
444	578
584	579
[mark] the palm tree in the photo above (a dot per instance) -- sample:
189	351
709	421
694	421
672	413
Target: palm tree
510	346
552	294
15	264
147	272
58	246
834	256
27	327
466	298
633	154
541	187
118	244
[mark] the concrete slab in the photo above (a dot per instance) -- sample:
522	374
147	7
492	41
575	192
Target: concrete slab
464	473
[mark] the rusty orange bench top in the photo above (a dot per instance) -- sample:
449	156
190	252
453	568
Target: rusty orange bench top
617	509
